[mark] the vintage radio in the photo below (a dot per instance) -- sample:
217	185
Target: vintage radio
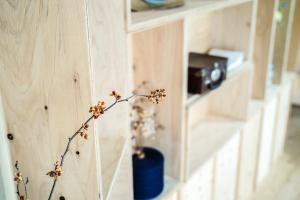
205	72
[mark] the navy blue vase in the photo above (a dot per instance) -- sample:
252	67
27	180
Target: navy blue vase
148	174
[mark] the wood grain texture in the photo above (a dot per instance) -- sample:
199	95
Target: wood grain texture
228	28
266	139
107	42
248	155
199	34
232	28
225	174
284	101
263	45
44	63
158	59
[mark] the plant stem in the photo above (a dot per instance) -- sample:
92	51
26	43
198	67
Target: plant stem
78	131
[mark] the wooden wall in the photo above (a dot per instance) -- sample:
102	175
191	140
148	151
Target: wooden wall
56	59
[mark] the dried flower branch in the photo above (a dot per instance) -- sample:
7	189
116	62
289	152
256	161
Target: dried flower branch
143	120
155	96
20	180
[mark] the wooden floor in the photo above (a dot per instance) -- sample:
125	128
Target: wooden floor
284	180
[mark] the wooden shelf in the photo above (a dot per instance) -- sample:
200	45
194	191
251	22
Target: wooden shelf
153	18
208	137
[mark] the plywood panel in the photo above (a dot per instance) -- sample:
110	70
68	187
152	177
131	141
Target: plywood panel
233	98
226	170
282	120
44	78
199	186
230	28
107	42
200	37
158	59
294	52
266	138
263	45
248	156
233	28
282	39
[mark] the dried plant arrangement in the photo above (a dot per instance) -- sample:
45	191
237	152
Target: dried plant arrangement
155	96
143	124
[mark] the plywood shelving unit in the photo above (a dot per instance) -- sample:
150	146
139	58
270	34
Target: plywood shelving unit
206	124
160	42
219	145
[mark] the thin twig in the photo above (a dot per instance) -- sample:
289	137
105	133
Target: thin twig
80	129
23	182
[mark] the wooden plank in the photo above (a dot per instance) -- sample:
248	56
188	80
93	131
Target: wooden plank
294	52
107	42
226	167
283	112
266	138
263	45
248	155
158	59
200	184
44	78
282	39
289	34
154	18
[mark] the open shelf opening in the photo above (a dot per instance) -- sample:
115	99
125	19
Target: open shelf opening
157	58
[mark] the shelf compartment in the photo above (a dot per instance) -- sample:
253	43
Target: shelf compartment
207	138
230	28
157	57
193	98
230	99
138	21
